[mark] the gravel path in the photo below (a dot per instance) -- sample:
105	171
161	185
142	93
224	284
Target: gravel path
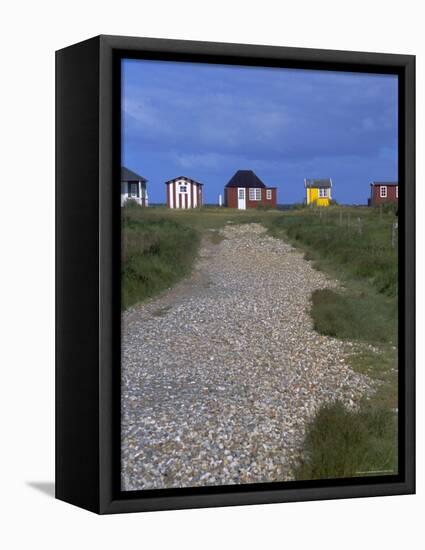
221	373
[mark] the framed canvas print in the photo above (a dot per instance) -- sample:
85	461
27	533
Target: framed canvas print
235	274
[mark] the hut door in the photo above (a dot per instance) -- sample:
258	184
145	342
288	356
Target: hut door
241	198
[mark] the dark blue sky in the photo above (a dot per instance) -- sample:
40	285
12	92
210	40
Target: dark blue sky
207	121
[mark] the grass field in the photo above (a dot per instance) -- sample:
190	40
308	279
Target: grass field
155	255
354	244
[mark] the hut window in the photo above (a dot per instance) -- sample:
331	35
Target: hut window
323	192
134	189
269	194
254	194
183	189
396	191
383	191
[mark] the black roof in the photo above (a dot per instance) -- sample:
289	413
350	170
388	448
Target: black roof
129	175
384	183
245	178
184	178
318	182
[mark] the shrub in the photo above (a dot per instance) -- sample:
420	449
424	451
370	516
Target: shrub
131	203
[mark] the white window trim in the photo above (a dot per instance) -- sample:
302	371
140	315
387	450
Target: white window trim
185	189
255	193
268	194
323	192
396	191
383	191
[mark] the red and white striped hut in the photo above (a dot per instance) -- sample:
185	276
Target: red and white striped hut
183	192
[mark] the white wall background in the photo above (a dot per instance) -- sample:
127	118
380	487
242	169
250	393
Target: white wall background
29	33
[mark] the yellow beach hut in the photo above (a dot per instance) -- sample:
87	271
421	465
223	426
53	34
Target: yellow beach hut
318	191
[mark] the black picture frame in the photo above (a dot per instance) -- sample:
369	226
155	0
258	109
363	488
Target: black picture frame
88	273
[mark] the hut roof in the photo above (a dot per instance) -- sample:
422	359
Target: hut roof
129	175
321	183
190	180
245	178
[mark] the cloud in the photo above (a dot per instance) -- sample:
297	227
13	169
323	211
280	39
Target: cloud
200	161
208	118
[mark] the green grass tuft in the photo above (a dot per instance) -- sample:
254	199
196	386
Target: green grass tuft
342	443
354	315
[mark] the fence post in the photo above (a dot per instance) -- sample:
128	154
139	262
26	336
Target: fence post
393	233
359	221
